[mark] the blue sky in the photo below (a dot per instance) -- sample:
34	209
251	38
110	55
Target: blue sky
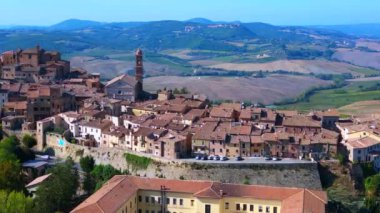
279	12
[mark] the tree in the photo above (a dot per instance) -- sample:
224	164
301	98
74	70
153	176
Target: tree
184	90
10	175
28	141
87	163
15	202
372	185
89	183
103	173
57	193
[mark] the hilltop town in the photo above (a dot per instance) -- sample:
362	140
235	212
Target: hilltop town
61	106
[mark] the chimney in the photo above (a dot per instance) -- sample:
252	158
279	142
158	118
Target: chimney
221	193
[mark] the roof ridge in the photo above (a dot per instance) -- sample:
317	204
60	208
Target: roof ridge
303	200
99	207
315	195
108	183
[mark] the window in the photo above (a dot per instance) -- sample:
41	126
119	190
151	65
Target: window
140	211
152	200
245	207
146	199
238	206
275	209
251	208
192	202
267	209
140	198
146	211
207	208
181	202
159	200
260	209
174	201
167	201
226	205
130	204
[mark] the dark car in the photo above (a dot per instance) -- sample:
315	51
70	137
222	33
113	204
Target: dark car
198	157
224	158
205	157
238	158
268	158
216	157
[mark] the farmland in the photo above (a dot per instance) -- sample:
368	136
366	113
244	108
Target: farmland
335	98
257	90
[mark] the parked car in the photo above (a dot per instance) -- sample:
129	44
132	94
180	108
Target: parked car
238	158
276	159
224	158
198	157
268	158
211	157
216	157
205	157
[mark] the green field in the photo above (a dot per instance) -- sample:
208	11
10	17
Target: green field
335	98
366	71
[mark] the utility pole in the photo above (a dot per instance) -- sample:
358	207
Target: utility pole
163	198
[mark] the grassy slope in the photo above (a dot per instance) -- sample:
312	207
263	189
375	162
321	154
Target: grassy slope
335	98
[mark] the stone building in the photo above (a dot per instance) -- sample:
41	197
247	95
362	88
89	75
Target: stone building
33	65
125	87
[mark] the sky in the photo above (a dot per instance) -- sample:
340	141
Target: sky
277	12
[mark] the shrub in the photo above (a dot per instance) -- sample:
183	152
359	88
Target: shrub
87	164
137	162
28	141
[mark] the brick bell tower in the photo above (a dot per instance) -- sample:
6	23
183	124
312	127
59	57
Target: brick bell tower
139	75
139	66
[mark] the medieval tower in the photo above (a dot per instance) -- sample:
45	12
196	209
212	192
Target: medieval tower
139	74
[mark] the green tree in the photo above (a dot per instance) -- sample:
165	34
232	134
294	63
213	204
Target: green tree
184	90
10	175
372	185
103	173
15	202
372	204
57	193
89	183
87	163
28	141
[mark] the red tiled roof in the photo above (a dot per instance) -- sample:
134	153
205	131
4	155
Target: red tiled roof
120	188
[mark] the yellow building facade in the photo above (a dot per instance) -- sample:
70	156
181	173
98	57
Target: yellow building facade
129	194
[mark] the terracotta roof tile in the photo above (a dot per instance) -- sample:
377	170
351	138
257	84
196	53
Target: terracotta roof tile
120	188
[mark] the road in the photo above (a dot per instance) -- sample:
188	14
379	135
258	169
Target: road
249	160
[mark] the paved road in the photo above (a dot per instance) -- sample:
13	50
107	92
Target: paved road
250	160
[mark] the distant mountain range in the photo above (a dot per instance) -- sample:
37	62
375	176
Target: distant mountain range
362	30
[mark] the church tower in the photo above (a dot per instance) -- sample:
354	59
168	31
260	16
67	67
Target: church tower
139	93
139	66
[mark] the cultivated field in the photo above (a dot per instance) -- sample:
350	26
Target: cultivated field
361	107
110	68
357	57
335	98
301	66
370	44
263	90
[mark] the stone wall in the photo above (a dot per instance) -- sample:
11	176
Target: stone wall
291	175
